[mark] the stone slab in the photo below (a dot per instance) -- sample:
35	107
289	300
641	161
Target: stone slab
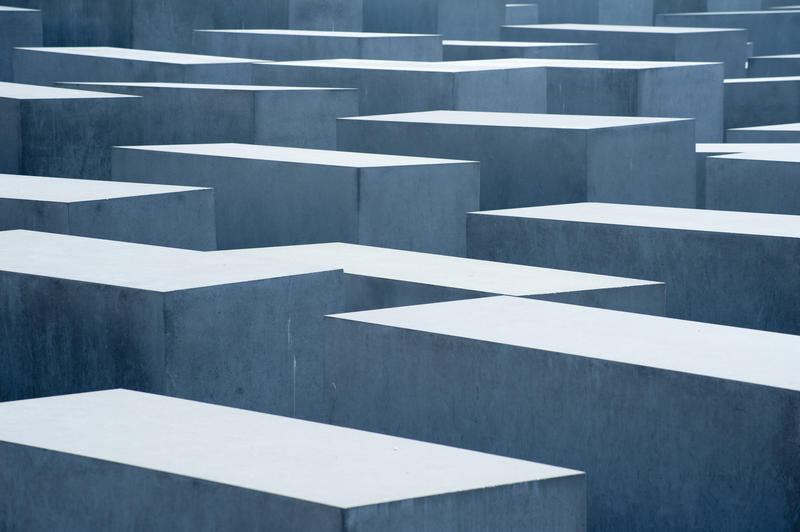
268	195
522	14
181	217
453	19
781	133
731	268
18	27
82	314
761	101
707	412
593	12
380	278
535	159
471	50
170	464
693	6
770	66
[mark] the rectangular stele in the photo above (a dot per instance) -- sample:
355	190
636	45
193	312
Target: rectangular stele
761	101
473	50
453	19
732	268
106	460
81	314
692	422
779	133
769	66
380	278
162	215
18	27
268	195
540	159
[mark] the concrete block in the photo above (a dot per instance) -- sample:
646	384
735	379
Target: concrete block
639	12
269	196
105	460
399	86
668	418
770	66
453	19
18	27
731	268
782	133
380	278
299	45
61	132
646	43
81	314
532	159
181	217
761	101
471	50
175	113
522	14
693	6
772	32
332	15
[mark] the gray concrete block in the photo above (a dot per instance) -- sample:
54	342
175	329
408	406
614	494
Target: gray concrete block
781	133
531	159
731	268
107	460
770	66
62	132
522	14
269	196
18	27
453	19
471	50
693	6
175	113
646	43
400	86
674	419
380	278
80	314
46	66
761	101
299	45
180	217
332	15
638	12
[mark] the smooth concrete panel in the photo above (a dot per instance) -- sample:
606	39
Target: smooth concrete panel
781	133
329	15
761	101
471	50
771	66
522	14
596	11
453	19
18	27
693	6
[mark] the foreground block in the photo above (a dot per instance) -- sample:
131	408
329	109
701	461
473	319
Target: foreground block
269	196
761	101
380	278
769	66
18	27
180	217
533	159
772	134
81	314
708	412
104	460
471	50
721	267
453	19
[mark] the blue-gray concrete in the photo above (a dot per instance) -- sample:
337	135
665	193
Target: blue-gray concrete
62	132
380	278
400	86
300	45
18	27
270	196
471	50
693	6
646	43
115	459
80	314
453	19
732	268
180	217
330	15
534	159
761	101
780	133
175	113
639	12
678	425
770	66
522	14
46	66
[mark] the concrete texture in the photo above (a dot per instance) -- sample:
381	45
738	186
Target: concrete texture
380	278
62	132
693	6
46	66
124	457
786	133
731	268
268	196
533	159
408	86
646	43
80	314
175	113
329	15
18	27
769	66
761	101
638	12
453	19
679	420
180	217
471	50
299	45
522	14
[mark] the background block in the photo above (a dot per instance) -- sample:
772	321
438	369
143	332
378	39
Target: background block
594	12
786	133
761	101
453	19
471	50
18	27
522	14
768	66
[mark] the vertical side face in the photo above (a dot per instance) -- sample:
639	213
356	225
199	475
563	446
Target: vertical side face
17	28
47	216
399	48
406	91
83	22
224	73
729	47
471	19
592	91
761	103
579	11
752	186
410	16
628	12
515	90
10	136
328	15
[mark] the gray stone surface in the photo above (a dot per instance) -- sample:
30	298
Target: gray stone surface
781	133
522	14
380	278
693	6
167	464
731	268
453	19
768	66
81	314
471	50
534	159
596	12
680	420
761	101
180	217
18	27
268	195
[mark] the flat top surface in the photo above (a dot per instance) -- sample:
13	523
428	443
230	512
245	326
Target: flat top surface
19	91
54	189
728	13
785	79
138	266
745	223
783	56
324	464
514	44
735	147
314	33
295	155
524	62
412	66
777	155
481	118
745	355
138	55
439	270
10	8
778	127
198	86
623	29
